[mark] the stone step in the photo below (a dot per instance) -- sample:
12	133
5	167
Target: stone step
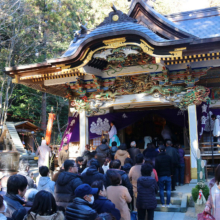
173	200
172	208
179	204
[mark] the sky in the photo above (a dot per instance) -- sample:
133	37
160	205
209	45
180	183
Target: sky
194	4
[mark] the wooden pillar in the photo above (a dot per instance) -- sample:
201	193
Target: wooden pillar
84	131
194	144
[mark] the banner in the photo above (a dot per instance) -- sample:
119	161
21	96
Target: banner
51	118
73	122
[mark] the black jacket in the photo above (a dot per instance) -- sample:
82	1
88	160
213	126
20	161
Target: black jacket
102	151
147	189
133	151
163	165
172	152
102	205
14	203
80	210
65	187
92	174
125	180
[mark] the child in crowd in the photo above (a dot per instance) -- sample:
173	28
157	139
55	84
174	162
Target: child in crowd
105	166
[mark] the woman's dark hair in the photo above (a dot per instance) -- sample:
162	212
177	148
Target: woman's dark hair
79	159
114	143
105	216
1	201
129	160
139	158
115	177
111	164
146	169
43	170
116	164
217	174
44	204
98	184
112	122
123	147
15	183
87	147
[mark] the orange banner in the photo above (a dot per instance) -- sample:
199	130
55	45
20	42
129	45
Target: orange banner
51	118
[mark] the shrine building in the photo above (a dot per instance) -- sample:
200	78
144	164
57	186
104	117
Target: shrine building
149	69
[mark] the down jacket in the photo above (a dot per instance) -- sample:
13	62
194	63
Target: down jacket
65	187
91	175
134	151
147	189
80	210
125	180
104	205
102	151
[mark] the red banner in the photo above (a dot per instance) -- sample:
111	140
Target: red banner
51	118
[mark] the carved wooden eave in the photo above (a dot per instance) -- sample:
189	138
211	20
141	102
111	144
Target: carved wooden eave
167	53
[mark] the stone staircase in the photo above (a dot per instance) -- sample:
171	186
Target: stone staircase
178	201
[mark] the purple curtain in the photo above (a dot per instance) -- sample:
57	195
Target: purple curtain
124	119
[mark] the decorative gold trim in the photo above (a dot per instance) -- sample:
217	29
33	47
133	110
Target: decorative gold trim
87	50
115	17
180	49
176	53
114	43
146	47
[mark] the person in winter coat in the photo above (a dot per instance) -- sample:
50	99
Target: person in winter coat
44	182
105	166
212	204
87	155
66	184
80	208
24	171
133	151
146	193
127	165
173	153
150	153
44	208
92	174
122	154
3	208
102	204
79	162
63	155
119	195
16	189
116	167
180	170
55	176
102	151
164	168
113	149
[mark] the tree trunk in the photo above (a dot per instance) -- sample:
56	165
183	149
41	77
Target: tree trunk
44	112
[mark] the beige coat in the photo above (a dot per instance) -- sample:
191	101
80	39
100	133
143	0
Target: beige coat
120	196
121	155
134	174
63	155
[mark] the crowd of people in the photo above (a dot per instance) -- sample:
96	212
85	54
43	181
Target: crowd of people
104	184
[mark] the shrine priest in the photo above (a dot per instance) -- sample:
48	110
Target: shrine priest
113	135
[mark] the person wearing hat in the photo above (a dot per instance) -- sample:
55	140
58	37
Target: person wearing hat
81	209
133	151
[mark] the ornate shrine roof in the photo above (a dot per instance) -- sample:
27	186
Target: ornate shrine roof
201	23
142	52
